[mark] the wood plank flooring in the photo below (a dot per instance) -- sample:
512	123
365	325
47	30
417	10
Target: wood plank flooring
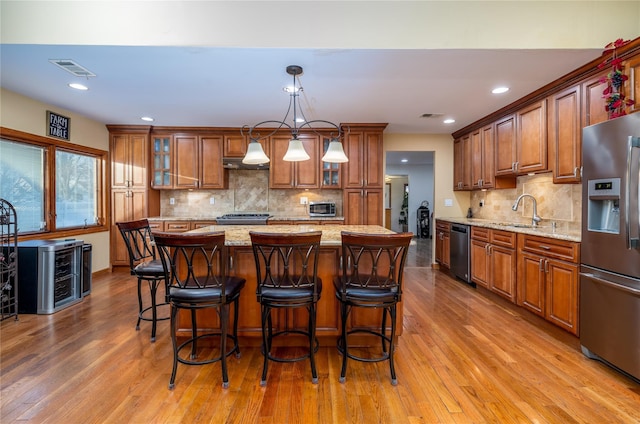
466	356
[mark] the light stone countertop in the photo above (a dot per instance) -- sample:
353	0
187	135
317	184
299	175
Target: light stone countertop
274	218
238	235
543	230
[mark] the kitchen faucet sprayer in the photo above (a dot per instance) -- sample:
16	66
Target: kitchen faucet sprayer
536	218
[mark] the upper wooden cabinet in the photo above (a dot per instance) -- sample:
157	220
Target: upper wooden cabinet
565	135
235	145
521	141
129	160
188	161
305	174
363	206
632	85
363	147
198	162
593	104
330	177
462	163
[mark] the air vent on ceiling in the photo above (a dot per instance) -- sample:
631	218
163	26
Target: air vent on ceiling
72	67
430	115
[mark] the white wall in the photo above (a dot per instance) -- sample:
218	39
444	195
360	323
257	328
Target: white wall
30	116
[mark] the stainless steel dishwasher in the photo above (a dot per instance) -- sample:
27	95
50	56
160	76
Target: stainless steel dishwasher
460	252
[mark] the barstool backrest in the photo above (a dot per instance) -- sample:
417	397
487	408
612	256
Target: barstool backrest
138	239
374	260
286	260
197	261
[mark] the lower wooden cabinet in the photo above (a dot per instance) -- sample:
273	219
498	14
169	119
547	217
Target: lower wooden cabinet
493	261
548	279
443	238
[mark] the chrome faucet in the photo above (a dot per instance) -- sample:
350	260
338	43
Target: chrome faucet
536	218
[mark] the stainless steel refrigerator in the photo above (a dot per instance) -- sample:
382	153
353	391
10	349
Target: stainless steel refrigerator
610	248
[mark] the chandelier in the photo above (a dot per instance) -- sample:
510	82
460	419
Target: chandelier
295	152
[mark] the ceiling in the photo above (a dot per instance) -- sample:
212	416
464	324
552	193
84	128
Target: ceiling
202	86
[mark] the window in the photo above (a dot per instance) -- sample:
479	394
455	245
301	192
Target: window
56	187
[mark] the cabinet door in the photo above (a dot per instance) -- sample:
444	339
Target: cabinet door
129	160
531	138
373	207
161	163
185	161
531	283
488	169
632	85
330	177
505	146
280	172
235	146
477	152
354	170
565	135
373	172
211	172
593	104
462	163
503	271
353	207
244	266
479	263
126	205
307	173
562	294
446	249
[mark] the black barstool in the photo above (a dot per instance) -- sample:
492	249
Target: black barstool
287	275
372	268
145	265
196	268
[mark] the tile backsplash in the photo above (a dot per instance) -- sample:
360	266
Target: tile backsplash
248	192
560	203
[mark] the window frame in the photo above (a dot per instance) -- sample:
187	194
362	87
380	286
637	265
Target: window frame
51	146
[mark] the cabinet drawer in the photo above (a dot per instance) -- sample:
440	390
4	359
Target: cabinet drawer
503	238
479	233
156	225
176	227
443	226
549	247
201	224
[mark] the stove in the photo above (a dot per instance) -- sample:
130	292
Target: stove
243	219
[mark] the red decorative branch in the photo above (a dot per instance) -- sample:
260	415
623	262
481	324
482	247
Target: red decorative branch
616	102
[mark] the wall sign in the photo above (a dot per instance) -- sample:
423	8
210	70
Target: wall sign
58	126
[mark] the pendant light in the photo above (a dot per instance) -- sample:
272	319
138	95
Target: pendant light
295	152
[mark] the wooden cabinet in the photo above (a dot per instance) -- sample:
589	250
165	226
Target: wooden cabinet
161	161
363	207
493	260
565	135
462	163
443	237
363	147
330	174
548	279
593	104
521	141
131	198
632	85
197	162
129	160
235	145
283	174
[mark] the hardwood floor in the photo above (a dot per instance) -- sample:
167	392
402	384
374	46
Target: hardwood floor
466	356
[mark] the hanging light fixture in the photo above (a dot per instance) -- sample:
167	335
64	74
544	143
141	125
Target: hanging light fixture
296	152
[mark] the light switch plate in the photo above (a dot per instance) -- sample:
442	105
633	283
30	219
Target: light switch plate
448	202
172	201
212	200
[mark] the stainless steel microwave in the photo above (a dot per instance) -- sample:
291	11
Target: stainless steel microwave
322	209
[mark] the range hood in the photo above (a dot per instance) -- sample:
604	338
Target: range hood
236	163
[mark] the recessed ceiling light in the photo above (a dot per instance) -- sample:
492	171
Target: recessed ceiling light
147	118
404	160
449	121
78	86
500	90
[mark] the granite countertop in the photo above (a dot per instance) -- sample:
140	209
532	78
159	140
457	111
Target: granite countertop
544	229
274	218
238	235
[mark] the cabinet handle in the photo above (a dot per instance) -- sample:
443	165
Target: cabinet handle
230	262
541	267
513	166
546	266
543	247
575	172
517	166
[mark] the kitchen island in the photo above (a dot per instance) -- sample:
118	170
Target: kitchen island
328	313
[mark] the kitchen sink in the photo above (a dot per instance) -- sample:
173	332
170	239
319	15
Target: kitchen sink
516	225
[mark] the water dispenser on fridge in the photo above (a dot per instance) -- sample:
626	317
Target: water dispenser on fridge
603	208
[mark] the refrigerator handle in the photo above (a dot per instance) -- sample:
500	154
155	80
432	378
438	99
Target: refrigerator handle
632	243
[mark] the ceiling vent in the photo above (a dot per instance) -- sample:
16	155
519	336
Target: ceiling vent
72	67
430	115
